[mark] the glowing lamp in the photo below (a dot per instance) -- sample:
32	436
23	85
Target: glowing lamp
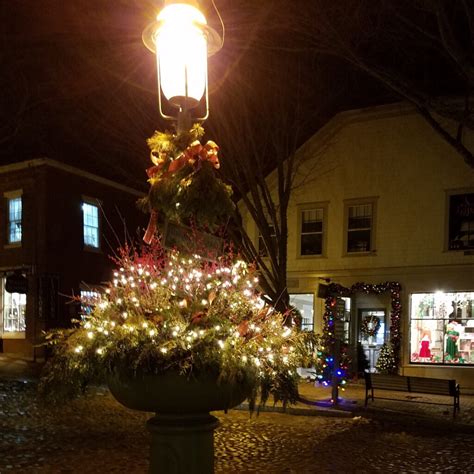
182	42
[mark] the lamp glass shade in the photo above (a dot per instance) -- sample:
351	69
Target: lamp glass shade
181	49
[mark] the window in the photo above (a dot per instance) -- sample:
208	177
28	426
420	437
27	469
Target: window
304	303
14	217
461	221
311	231
262	251
442	328
13	309
360	227
89	298
90	213
343	325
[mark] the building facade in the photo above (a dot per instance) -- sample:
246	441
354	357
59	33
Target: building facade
384	199
59	227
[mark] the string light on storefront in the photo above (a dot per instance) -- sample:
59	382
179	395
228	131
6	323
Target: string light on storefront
326	367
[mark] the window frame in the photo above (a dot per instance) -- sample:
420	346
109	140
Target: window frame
264	254
373	229
449	194
9	334
98	204
307	207
8	197
445	320
307	293
92	292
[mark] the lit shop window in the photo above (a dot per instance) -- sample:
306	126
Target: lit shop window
90	213
89	298
442	328
13	311
304	303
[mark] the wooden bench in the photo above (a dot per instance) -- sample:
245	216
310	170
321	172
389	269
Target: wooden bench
401	383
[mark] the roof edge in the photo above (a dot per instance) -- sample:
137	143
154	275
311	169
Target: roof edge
348	117
364	114
68	169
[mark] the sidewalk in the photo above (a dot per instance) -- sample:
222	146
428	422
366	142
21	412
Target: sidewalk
315	399
12	366
414	404
409	407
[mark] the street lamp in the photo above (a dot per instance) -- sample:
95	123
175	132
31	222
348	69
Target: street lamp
182	41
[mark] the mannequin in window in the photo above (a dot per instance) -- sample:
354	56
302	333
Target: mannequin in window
425	350
452	336
452	315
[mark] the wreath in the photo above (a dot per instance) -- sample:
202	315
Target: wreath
370	326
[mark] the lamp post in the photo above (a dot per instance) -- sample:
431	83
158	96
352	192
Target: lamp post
182	41
182	430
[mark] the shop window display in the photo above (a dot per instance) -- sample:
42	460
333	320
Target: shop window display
304	303
442	328
89	298
13	307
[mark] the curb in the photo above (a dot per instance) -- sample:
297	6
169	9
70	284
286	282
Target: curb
446	424
298	411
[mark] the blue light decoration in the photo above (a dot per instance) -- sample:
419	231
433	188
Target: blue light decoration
325	368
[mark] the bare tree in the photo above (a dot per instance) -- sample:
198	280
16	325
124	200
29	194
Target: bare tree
260	123
421	50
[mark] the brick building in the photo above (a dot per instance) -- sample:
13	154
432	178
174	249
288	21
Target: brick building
385	199
59	226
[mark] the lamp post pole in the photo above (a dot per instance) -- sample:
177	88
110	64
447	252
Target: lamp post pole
182	441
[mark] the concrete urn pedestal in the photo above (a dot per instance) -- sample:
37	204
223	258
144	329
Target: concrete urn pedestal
182	430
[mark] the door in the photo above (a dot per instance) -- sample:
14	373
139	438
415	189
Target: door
371	333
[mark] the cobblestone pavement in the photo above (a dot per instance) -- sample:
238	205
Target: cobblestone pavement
97	435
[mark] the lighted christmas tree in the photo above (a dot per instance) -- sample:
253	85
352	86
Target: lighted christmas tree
329	368
386	363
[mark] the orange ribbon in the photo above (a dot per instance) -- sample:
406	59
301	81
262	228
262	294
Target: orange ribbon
194	155
151	229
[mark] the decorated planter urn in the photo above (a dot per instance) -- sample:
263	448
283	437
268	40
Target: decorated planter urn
182	429
187	328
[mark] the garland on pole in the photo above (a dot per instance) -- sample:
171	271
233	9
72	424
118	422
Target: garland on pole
325	361
184	185
325	356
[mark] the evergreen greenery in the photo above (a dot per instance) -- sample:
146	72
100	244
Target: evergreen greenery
184	182
165	311
386	363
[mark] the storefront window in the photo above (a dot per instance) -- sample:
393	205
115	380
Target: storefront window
344	319
304	303
89	298
442	328
13	311
90	224
461	222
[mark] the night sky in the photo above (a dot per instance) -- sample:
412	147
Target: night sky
79	86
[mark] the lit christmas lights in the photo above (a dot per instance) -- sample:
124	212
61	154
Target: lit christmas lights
325	366
149	319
